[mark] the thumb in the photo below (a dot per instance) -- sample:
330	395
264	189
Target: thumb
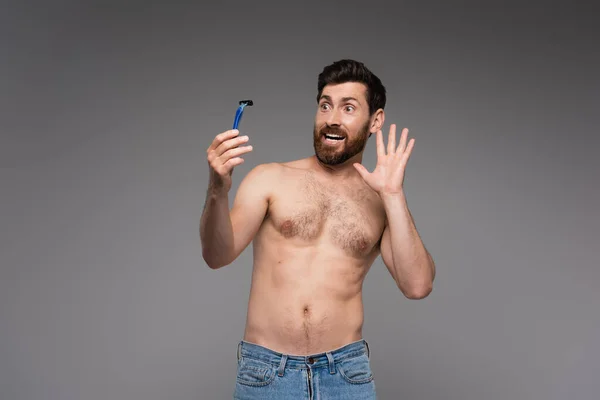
361	170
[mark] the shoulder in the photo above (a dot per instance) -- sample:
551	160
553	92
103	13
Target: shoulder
262	179
271	179
277	170
266	171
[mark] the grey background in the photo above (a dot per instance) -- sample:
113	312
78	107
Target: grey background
107	110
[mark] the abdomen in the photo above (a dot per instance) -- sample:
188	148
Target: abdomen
305	300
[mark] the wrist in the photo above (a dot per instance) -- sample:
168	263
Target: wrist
393	202
217	192
392	196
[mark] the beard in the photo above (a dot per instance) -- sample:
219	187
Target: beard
335	156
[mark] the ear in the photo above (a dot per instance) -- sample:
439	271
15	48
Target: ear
377	121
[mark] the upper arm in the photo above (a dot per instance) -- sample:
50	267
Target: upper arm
250	205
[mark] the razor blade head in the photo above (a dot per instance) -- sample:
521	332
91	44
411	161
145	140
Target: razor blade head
247	102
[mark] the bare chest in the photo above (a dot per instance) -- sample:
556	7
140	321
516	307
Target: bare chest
348	217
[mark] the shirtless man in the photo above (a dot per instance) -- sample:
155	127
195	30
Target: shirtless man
317	225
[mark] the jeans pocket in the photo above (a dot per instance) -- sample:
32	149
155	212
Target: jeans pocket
356	369
252	372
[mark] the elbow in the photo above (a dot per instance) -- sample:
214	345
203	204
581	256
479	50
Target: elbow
211	261
417	292
420	288
214	260
213	265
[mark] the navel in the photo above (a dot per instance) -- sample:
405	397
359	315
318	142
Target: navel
306	323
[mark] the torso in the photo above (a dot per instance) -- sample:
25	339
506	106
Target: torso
316	244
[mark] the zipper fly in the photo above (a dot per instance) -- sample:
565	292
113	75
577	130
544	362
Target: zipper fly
310	394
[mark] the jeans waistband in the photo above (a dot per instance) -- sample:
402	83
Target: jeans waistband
252	350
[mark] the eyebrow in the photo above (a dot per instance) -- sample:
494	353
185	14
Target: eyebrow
344	99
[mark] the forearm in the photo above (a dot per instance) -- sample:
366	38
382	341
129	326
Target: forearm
414	268
216	232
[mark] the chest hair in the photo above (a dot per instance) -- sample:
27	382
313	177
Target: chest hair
341	212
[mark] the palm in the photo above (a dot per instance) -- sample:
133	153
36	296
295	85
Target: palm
388	175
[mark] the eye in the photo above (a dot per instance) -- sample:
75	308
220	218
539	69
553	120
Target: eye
349	108
324	106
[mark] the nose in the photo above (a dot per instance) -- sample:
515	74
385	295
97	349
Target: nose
334	118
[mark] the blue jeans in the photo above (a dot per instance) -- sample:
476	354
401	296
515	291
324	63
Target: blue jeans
343	373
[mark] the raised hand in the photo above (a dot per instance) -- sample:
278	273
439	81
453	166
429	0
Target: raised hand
223	155
388	176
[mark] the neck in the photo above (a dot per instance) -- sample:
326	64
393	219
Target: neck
344	170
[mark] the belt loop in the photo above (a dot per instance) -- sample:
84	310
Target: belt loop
331	363
239	350
282	365
368	350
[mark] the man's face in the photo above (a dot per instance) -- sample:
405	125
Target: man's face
342	123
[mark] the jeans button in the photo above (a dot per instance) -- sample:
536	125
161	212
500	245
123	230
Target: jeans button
311	360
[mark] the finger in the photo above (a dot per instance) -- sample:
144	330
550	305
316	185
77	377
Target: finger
233	162
380	145
391	149
217	163
408	151
411	145
226	168
235	152
402	145
230	144
221	137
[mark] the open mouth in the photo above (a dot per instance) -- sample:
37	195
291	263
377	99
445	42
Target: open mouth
334	137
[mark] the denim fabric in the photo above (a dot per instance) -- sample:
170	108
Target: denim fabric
343	373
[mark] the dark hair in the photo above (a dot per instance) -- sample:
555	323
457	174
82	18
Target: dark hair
343	71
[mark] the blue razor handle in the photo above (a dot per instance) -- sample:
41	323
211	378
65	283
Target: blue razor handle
240	111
